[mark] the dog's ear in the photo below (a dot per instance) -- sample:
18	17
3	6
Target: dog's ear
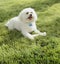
20	16
35	14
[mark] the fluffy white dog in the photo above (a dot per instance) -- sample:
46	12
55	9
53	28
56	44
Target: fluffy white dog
26	23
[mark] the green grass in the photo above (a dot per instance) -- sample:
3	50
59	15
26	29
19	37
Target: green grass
15	48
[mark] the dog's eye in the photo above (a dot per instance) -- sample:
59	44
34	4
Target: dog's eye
27	12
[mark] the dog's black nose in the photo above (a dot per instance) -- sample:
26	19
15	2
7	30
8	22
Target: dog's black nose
30	14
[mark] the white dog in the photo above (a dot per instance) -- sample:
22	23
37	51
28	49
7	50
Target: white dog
26	23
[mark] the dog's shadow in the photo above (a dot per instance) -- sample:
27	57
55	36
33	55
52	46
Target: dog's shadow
11	36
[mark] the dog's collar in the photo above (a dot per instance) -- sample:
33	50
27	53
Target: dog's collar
30	24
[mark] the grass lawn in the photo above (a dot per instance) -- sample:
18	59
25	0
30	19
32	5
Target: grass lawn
15	48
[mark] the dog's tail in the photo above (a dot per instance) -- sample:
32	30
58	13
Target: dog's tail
6	24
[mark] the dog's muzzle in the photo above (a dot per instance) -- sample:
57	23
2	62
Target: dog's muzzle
30	17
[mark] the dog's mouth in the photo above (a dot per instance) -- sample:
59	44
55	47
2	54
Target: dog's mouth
30	17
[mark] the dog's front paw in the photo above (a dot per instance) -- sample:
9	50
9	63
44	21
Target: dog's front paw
44	33
31	37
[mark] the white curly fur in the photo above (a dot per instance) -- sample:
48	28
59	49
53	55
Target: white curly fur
26	23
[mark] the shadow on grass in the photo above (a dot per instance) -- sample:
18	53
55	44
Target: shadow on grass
10	37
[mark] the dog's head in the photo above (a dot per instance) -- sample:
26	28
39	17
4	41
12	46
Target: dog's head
28	15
